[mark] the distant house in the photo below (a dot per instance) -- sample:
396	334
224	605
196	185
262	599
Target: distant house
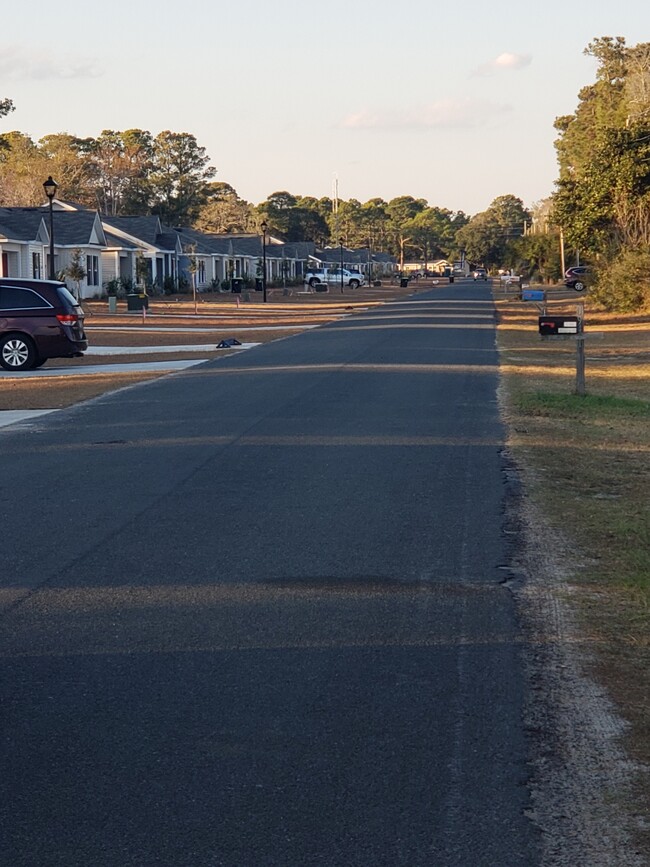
145	237
25	244
440	266
24	240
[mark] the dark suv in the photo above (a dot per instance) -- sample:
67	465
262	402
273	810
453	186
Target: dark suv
39	319
576	277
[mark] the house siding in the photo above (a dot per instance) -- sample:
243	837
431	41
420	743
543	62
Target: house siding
108	267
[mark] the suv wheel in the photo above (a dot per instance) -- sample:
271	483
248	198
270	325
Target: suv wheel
578	285
354	284
17	352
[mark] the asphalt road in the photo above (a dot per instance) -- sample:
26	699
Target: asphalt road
253	613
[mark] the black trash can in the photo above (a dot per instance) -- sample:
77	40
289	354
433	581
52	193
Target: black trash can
259	284
451	278
237	285
404	283
137	301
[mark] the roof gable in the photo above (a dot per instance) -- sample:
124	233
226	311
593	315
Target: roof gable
142	231
21	224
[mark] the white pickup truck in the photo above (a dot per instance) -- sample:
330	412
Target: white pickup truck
332	277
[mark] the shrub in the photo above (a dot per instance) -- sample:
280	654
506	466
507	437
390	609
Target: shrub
624	284
169	285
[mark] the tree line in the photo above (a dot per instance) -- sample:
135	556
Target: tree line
600	207
602	197
133	172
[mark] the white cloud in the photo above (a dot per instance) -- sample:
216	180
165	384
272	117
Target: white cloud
16	64
443	114
506	62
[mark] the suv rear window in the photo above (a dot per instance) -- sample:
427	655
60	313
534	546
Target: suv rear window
19	298
66	296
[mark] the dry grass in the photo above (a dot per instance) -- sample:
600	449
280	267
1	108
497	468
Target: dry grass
587	463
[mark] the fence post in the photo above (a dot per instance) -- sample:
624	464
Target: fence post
581	388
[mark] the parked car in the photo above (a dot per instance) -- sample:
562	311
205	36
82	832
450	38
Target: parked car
479	274
576	277
39	319
332	276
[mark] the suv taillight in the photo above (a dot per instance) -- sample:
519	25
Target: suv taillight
67	318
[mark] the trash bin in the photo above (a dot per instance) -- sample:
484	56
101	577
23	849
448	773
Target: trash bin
112	304
451	278
404	283
259	284
237	285
137	301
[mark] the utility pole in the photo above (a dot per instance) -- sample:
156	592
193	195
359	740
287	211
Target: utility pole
335	206
562	263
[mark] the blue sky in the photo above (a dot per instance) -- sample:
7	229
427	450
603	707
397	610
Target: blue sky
453	102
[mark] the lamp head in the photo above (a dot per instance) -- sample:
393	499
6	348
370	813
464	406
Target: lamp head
50	186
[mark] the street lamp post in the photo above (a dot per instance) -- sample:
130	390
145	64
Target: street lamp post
50	188
341	250
264	227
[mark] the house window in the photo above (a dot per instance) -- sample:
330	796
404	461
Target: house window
92	269
36	266
200	271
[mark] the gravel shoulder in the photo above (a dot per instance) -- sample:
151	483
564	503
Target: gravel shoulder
584	787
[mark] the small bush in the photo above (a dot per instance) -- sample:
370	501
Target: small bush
169	286
624	285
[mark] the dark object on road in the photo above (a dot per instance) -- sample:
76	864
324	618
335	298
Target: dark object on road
230	341
404	283
40	319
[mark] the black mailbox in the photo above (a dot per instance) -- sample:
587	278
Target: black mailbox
554	325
